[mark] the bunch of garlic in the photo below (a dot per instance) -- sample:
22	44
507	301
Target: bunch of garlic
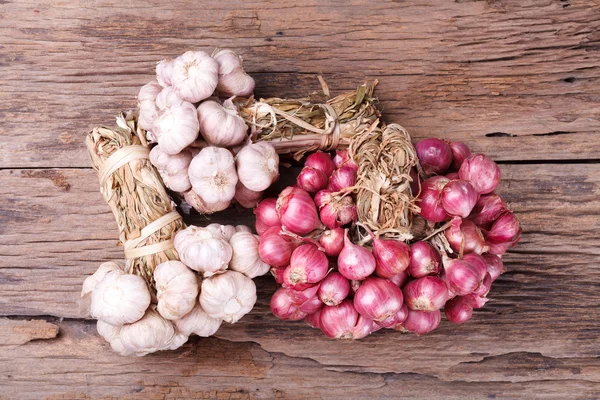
183	104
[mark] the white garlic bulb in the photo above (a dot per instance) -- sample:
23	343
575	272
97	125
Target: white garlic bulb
196	202
91	281
213	175
245	257
147	104
245	197
233	80
167	98
257	165
195	75
164	72
111	334
176	289
243	228
149	334
120	298
173	169
228	296
197	322
176	127
202	251
221	125
224	232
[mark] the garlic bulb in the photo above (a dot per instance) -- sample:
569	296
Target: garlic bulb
195	201
176	125
245	197
257	165
176	289
233	80
242	228
120	298
111	334
91	281
224	232
198	322
173	169
147	105
245	257
202	251
149	334
213	176
228	296
195	75
164	72
219	125
167	98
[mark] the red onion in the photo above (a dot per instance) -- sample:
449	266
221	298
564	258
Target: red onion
494	264
396	319
378	299
266	215
451	293
487	209
354	285
475	301
284	307
342	178
338	212
321	161
297	211
314	319
463	232
458	311
392	257
498	249
342	158
399	279
452	176
478	261
416	182
278	274
323	197
334	289
275	248
245	197
462	276
505	229
460	152
430	199
483	289
482	172
434	154
428	293
312	180
355	262
308	265
422	322
343	322
311	305
424	260
332	241
458	198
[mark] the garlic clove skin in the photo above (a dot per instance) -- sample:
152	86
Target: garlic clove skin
195	75
91	281
150	334
242	228
221	126
176	127
228	296
164	72
245	197
112	335
120	298
245	257
197	322
196	202
213	175
224	232
147	105
257	165
173	169
233	80
202	251
176	289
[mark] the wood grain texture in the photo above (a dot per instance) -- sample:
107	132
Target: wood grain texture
18	332
505	75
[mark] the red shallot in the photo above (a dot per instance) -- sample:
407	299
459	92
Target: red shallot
429	199
392	257
355	262
332	241
284	307
428	293
321	161
297	211
457	310
460	152
458	198
344	322
275	247
308	265
421	322
342	178
434	154
378	299
425	260
312	180
463	235
266	215
482	172
334	289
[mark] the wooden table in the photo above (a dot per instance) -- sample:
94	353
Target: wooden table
518	80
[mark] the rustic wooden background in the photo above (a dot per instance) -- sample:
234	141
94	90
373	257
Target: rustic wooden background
517	79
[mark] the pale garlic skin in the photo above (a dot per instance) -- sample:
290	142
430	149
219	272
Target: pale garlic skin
176	289
257	165
91	281
213	175
245	257
150	334
195	75
111	334
224	232
243	228
147	104
120	298
173	169
219	125
245	197
164	72
233	80
228	296
176	127
197	322
202	251
196	202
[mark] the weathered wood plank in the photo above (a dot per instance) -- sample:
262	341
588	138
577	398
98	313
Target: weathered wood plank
506	76
80	365
18	332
